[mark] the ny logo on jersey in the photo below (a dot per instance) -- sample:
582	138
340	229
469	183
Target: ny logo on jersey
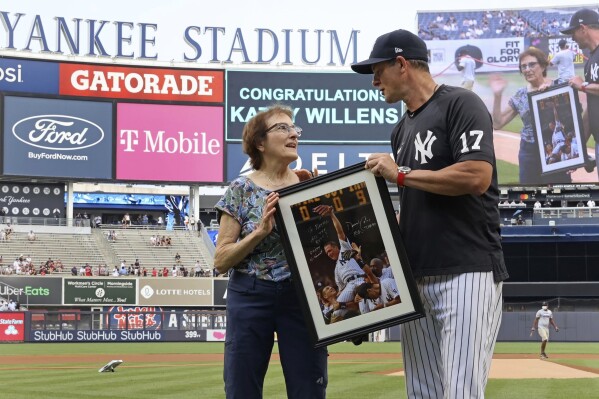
594	71
423	150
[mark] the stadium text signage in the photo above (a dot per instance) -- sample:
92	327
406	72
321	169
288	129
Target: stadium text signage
175	292
96	336
12	326
141	83
88	36
28	76
32	290
330	107
99	291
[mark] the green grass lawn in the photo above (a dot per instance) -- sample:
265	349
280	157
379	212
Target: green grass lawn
348	378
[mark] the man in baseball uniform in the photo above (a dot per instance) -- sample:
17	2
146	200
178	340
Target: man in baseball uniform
348	273
543	318
446	175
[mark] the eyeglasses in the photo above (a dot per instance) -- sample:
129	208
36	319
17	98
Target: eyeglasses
285	128
530	65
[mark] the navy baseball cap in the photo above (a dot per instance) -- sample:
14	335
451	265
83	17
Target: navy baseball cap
583	16
390	45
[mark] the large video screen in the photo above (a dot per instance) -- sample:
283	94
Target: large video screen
494	39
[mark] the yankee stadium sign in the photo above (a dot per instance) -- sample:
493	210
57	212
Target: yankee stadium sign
85	35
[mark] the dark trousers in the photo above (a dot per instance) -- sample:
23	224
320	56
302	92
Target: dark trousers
256	309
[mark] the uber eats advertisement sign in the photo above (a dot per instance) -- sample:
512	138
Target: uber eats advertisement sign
97	291
32	290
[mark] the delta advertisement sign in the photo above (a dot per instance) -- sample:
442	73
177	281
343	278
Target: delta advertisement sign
177	143
57	138
325	158
329	107
12	326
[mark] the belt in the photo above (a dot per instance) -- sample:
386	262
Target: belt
352	278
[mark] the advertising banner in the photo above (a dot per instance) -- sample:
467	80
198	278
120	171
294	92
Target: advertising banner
45	290
134	318
12	326
95	291
22	199
216	335
28	76
329	107
220	292
176	143
159	84
326	158
57	138
96	336
175	292
495	55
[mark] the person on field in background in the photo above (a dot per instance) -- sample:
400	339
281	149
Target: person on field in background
543	319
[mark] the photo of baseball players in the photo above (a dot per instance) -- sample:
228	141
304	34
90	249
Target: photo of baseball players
345	254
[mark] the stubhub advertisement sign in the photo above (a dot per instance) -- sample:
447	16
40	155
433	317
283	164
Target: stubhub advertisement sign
57	138
325	158
179	143
28	76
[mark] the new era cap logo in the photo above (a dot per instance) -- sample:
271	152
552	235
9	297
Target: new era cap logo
398	50
580	20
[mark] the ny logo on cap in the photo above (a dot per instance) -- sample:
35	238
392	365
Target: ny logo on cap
398	50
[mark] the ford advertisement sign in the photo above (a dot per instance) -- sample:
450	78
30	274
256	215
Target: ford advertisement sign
57	138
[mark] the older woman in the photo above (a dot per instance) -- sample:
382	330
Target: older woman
261	300
533	67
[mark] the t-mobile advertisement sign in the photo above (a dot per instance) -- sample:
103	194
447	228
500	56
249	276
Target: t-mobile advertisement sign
178	143
325	158
57	138
12	326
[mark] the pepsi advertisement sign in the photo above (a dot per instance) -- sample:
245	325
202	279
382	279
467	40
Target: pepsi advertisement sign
28	76
57	138
325	158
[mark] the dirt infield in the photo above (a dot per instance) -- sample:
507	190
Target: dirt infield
512	366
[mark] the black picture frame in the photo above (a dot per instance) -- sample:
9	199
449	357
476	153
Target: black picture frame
557	121
363	207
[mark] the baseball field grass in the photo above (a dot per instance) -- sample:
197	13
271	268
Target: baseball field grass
194	370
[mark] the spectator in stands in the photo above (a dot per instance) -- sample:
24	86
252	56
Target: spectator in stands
246	237
8	232
154	272
123	271
177	258
12	305
126	220
31	236
3	306
3	235
591	203
74	271
56	213
78	220
564	60
115	272
174	271
160	221
165	272
153	241
533	67
198	269
82	270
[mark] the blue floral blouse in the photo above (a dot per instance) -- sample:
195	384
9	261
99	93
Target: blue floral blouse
244	201
519	103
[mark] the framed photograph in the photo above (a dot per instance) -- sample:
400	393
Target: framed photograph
557	121
344	248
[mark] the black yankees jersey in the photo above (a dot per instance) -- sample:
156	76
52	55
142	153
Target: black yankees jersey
449	234
591	75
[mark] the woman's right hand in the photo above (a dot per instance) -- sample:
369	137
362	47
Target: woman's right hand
268	221
497	84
